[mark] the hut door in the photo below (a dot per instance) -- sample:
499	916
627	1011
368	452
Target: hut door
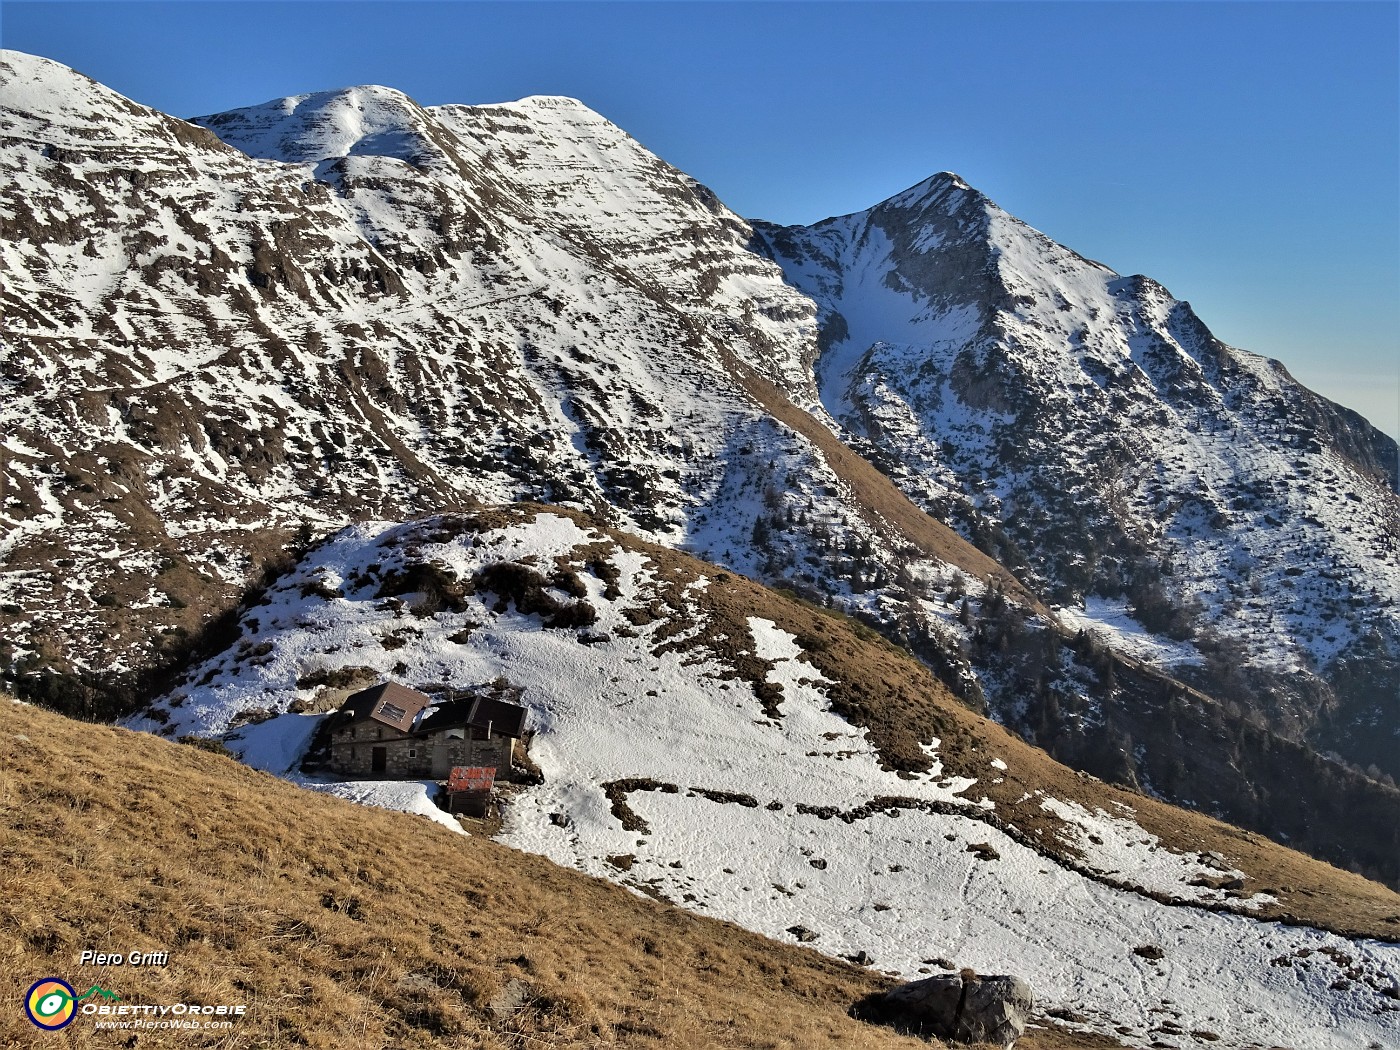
378	759
442	759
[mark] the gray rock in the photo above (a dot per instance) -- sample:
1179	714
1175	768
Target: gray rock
1215	860
512	997
967	1009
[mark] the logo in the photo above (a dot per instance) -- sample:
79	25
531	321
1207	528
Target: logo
52	1004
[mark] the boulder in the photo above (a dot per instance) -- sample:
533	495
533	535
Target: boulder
510	999
964	1008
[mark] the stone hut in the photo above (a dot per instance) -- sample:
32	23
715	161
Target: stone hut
474	731
394	732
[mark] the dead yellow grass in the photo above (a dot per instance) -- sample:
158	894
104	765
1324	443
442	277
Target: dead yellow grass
342	926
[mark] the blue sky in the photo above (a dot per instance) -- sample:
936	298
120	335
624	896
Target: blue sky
1247	155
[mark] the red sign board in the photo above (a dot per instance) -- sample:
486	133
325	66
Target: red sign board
471	778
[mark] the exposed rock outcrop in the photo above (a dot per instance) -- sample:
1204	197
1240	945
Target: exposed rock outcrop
964	1008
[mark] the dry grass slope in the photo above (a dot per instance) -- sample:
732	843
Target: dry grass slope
347	927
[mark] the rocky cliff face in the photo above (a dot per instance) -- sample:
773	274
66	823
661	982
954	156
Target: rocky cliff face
226	336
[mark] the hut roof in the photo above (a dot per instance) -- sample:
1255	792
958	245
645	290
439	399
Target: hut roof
390	703
478	711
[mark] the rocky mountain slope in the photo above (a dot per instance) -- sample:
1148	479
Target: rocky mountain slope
1088	430
748	757
225	337
217	350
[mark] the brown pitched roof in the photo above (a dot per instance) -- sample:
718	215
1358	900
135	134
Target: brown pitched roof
392	704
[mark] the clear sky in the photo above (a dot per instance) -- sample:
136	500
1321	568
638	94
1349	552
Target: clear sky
1246	155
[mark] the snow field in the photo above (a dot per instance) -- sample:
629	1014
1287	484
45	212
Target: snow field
732	839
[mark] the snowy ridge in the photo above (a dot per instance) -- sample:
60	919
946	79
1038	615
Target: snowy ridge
372	310
367	121
1008	383
44	99
666	770
600	185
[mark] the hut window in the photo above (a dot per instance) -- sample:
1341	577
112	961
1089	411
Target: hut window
413	752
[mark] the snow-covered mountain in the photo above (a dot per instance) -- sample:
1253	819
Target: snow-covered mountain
1088	430
742	755
206	350
227	336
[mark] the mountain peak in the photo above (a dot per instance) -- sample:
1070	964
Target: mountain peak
48	95
553	102
945	191
19	67
547	110
942	180
367	120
